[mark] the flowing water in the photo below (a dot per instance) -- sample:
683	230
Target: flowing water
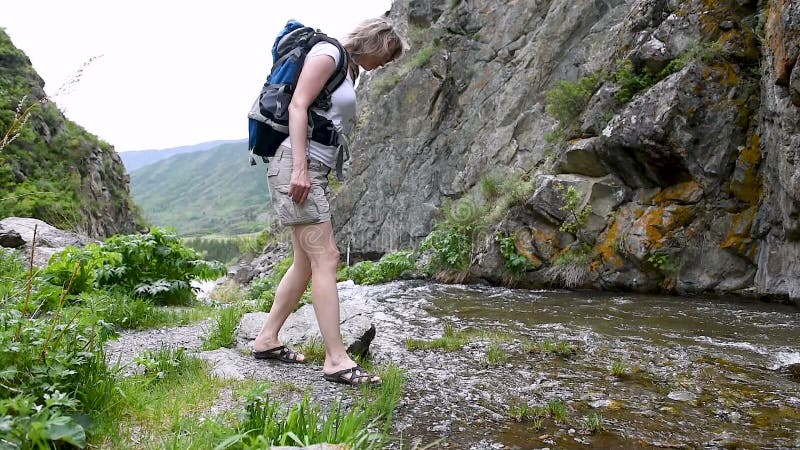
690	372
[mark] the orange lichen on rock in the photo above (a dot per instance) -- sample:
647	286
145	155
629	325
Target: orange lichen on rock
658	222
606	249
781	43
748	187
738	238
526	242
687	193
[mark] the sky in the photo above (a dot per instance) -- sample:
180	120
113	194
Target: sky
167	73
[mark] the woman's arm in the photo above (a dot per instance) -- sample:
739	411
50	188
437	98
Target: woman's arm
315	74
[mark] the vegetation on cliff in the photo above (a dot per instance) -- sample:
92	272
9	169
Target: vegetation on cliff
49	166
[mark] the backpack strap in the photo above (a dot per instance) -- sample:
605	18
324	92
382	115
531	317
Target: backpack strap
323	100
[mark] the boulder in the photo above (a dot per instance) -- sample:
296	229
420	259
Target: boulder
602	194
653	56
10	238
49	239
580	158
679	130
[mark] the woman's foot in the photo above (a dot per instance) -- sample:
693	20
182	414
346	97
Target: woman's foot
276	350
352	374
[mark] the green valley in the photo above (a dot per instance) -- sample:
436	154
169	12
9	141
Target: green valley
210	192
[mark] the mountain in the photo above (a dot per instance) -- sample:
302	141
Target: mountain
54	170
205	192
633	145
137	159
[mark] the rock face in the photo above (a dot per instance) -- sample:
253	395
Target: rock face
689	157
777	223
54	170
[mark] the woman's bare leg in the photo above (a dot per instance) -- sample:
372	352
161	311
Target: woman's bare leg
287	296
319	246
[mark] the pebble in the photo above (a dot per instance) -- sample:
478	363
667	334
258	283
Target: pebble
681	396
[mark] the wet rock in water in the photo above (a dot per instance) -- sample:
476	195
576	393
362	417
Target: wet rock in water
600	403
681	396
794	371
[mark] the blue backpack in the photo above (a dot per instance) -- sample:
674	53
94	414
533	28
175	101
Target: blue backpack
268	118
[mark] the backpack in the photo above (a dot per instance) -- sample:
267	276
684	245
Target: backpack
268	119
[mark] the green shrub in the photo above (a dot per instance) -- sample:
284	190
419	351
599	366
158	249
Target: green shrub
154	265
576	215
514	262
52	371
391	266
567	100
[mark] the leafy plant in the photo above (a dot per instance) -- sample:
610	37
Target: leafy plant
577	215
51	372
619	369
567	100
514	262
559	347
391	266
154	265
662	261
557	410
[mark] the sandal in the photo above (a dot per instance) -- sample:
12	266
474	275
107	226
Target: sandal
358	376
280	353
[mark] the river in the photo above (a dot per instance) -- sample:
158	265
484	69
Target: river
616	370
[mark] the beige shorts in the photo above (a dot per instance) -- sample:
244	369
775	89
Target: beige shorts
316	208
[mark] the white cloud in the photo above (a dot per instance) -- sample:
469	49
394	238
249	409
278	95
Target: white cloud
172	72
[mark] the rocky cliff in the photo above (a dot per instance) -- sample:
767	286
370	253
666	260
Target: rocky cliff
672	125
54	170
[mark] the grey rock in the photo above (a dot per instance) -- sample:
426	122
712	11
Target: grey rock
712	268
794	84
653	55
727	25
302	326
779	268
10	238
49	240
681	396
581	158
600	110
223	362
668	134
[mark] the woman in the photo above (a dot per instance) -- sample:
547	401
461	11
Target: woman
298	184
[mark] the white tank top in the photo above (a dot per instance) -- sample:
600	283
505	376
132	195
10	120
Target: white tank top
342	112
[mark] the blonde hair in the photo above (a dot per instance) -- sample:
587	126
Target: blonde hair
375	37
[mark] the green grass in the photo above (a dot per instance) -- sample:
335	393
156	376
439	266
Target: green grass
559	347
495	355
557	410
314	350
594	422
224	332
619	369
129	312
451	340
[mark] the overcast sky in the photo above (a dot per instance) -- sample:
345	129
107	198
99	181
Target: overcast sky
172	72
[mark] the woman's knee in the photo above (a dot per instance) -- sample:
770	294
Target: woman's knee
327	259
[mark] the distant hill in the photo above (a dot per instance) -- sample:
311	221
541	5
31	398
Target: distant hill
204	192
141	158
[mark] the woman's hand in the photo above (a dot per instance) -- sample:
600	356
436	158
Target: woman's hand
300	185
